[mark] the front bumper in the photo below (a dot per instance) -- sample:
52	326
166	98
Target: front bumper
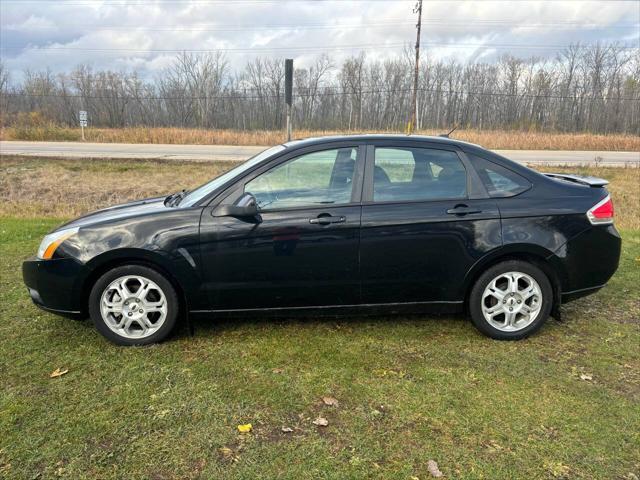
55	285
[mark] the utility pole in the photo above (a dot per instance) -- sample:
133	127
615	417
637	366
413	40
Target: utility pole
414	101
288	92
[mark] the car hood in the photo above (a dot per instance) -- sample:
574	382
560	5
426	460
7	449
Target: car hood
117	212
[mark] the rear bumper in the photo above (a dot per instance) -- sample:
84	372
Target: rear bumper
589	260
54	285
575	294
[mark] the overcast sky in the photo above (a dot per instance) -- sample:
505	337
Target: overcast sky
145	34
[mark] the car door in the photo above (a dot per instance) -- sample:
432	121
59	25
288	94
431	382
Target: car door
425	220
304	250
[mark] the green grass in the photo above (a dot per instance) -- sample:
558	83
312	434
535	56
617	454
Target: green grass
410	390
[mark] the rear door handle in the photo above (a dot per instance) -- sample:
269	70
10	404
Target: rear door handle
462	210
326	220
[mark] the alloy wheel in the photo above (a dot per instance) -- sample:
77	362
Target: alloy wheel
133	306
511	301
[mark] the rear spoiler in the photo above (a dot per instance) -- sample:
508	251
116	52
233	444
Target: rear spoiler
583	180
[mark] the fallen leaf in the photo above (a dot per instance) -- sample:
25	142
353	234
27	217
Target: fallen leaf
493	446
558	470
321	422
330	401
58	372
586	377
245	428
287	429
226	452
433	469
277	370
549	432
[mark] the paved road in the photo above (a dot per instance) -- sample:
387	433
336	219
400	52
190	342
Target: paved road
236	153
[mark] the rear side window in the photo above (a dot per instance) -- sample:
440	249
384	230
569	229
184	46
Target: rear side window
406	174
500	182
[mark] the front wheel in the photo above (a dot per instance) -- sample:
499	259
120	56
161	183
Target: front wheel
511	300
133	305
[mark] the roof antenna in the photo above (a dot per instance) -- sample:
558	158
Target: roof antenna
446	135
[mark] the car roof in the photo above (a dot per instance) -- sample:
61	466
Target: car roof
468	147
304	142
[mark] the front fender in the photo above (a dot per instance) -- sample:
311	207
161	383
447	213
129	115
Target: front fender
166	239
179	265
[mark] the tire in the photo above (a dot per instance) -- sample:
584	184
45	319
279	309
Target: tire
502	313
128	316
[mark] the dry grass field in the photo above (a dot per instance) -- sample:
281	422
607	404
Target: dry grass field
31	187
508	140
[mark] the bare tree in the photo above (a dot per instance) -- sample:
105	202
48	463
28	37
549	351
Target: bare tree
584	88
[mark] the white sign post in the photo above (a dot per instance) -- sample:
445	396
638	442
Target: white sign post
83	122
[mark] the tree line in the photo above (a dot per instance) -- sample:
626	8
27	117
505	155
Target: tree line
593	88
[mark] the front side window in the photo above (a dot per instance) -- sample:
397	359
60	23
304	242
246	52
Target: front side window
406	174
500	182
201	192
317	178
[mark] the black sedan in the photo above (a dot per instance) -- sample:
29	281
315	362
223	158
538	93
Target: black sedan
379	223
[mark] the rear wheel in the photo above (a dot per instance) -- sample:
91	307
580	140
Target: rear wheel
511	300
133	305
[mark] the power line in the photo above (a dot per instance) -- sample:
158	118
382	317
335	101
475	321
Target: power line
267	2
435	23
242	28
33	49
328	92
129	3
204	50
190	2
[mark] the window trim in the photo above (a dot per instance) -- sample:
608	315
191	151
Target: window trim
475	187
229	194
476	167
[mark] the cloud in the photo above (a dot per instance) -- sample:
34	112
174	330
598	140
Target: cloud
143	34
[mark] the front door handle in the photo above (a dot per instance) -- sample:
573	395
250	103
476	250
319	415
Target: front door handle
462	210
327	219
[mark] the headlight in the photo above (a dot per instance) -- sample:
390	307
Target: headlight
52	241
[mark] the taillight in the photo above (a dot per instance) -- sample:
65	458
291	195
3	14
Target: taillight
602	212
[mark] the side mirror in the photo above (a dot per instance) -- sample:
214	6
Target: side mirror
246	206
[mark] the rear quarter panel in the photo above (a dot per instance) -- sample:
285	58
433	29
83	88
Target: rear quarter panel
552	217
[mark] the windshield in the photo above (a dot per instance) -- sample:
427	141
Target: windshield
199	193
